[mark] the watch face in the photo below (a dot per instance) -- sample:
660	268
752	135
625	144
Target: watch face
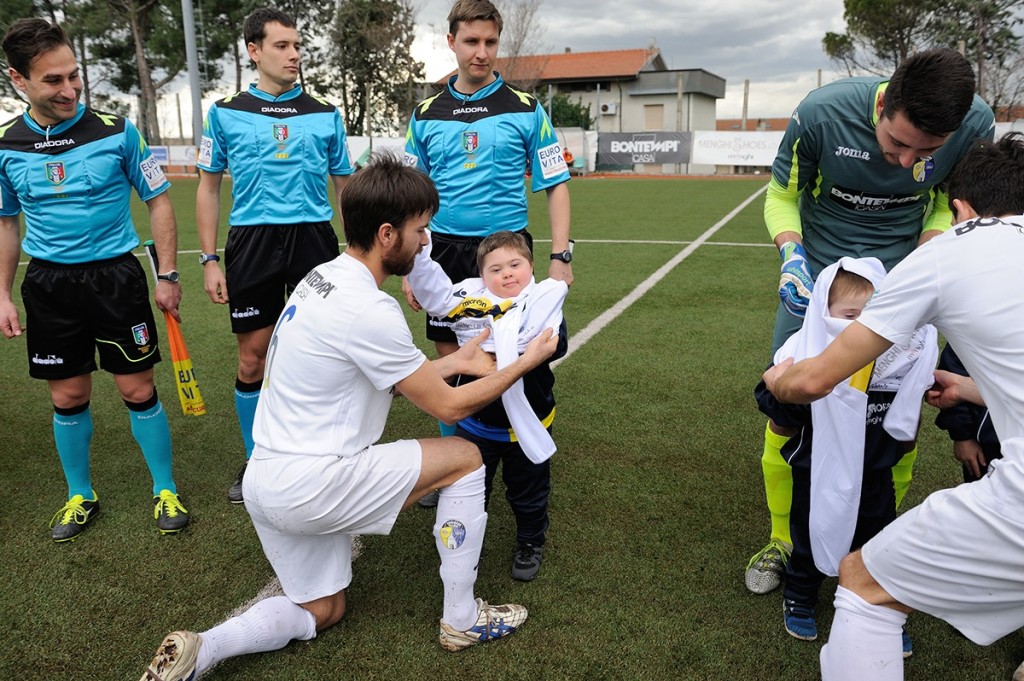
170	276
564	256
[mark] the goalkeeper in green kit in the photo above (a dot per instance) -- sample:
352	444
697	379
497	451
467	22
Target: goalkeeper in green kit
859	174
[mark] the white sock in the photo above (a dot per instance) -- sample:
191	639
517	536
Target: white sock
268	625
459	535
866	641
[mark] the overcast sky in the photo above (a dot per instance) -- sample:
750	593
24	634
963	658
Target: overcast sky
774	44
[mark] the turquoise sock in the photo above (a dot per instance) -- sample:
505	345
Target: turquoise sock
72	432
247	396
152	432
446	430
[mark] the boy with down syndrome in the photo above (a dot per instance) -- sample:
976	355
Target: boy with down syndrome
842	459
515	430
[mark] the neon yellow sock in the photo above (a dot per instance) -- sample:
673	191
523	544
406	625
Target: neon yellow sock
778	484
902	473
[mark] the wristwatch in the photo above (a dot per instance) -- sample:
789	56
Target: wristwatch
171	276
565	256
208	257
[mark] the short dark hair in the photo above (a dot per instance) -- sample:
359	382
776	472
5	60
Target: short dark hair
990	177
26	39
254	29
473	10
503	239
934	89
385	190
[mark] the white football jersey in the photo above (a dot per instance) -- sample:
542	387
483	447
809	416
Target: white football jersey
943	283
337	351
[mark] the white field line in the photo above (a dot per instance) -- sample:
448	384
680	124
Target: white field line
579	339
625	242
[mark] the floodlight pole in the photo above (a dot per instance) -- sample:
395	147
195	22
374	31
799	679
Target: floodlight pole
192	57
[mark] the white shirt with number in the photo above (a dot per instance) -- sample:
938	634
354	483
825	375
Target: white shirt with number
337	351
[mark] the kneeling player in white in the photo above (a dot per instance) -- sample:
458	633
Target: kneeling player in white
338	353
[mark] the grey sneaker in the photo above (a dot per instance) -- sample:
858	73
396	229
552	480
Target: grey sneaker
175	659
235	491
526	561
492	622
70	520
171	516
429	500
764	571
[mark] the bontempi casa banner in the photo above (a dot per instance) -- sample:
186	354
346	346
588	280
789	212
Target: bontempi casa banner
627	148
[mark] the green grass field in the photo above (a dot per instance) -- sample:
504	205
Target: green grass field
657	497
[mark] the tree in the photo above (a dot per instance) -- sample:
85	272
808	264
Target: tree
375	71
879	34
11	11
989	31
315	21
521	37
882	33
568	114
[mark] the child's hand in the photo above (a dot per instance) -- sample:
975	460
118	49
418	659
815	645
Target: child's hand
409	297
970	454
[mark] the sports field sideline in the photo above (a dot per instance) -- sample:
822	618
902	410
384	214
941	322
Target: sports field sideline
657	498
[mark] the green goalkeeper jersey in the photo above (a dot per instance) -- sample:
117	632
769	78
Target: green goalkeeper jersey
831	183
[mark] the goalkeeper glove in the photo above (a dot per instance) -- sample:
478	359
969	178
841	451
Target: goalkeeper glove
795	284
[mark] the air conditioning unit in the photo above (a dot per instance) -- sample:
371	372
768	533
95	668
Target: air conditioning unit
609	109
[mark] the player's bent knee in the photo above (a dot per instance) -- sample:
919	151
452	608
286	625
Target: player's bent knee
327	611
467	453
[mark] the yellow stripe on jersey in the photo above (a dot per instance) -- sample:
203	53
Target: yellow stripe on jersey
478	307
861	379
546	422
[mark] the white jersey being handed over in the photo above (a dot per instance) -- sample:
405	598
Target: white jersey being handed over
471	308
338	349
944	283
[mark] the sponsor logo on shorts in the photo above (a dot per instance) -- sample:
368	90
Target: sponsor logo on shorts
452	534
140	333
552	161
470	141
55	172
246	313
853	153
50	360
854	199
153	173
280	133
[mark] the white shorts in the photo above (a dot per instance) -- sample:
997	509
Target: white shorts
959	556
306	509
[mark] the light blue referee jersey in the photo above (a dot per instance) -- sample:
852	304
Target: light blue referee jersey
279	151
73	181
476	149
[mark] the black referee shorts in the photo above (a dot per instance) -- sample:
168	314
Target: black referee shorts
73	311
264	263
